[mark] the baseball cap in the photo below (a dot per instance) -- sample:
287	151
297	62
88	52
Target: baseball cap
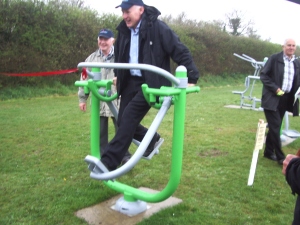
126	4
106	33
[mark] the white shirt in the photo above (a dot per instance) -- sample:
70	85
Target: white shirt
134	50
288	76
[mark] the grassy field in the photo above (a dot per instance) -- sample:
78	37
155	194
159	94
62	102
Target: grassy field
44	179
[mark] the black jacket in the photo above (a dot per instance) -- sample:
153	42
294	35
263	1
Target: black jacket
293	179
157	43
272	78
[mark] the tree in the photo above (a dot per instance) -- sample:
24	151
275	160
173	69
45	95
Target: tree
252	33
235	20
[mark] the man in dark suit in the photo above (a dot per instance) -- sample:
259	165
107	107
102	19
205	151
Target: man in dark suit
281	79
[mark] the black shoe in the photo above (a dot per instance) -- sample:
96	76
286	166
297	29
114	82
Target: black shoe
280	162
125	159
271	157
150	148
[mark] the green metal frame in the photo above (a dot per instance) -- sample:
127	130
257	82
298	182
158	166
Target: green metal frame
178	95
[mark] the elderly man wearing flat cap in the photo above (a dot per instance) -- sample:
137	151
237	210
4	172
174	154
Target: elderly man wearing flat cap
104	53
142	38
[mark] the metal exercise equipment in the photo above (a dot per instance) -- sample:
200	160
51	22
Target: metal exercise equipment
250	82
286	131
134	200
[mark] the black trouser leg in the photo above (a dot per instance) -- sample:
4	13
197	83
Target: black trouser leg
127	154
133	108
274	119
103	133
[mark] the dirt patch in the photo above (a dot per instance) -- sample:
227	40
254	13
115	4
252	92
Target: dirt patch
212	153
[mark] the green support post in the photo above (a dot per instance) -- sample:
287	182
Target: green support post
95	131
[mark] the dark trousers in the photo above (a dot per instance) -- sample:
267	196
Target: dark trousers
296	220
133	108
104	134
274	119
104	131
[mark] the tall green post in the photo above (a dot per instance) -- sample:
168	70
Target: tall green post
95	124
95	131
178	129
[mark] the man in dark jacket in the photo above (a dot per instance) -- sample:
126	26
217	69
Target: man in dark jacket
291	170
280	78
142	38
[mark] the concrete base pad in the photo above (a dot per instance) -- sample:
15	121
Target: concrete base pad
104	214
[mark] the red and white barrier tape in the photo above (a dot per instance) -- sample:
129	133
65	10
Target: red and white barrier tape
48	73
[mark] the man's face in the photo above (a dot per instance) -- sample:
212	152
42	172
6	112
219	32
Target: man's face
105	44
132	16
289	48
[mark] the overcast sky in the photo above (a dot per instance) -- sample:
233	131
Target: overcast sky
273	19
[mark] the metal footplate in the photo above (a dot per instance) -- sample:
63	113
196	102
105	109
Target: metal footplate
95	166
155	150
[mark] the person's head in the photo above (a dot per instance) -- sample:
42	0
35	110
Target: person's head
132	12
105	40
289	47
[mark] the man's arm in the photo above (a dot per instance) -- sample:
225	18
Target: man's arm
81	95
291	169
266	76
179	53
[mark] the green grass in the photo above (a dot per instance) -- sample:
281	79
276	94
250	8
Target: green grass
22	92
44	179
